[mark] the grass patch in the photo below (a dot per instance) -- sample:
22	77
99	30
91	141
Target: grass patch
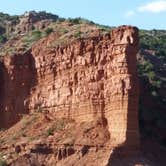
57	126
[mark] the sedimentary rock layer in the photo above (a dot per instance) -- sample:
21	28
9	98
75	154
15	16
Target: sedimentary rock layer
83	80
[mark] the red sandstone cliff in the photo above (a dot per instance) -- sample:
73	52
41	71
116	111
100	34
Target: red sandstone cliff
89	79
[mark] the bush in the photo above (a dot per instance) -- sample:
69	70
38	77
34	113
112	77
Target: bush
48	31
36	34
151	76
80	20
32	37
2	39
157	83
74	21
77	34
50	131
57	126
63	30
3	162
148	66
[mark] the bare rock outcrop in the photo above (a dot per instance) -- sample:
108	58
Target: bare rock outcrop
85	80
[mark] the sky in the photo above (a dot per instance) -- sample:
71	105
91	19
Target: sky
145	14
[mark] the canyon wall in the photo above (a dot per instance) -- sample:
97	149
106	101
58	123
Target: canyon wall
84	80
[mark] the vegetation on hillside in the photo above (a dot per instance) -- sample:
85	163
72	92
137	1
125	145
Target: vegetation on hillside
6	22
154	40
152	73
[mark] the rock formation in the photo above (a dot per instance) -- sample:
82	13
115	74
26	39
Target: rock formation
85	80
33	20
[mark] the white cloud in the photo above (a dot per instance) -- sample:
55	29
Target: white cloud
153	7
129	13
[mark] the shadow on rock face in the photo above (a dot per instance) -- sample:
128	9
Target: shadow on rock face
121	158
129	153
18	75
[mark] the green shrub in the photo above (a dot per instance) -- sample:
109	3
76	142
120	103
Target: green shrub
77	34
3	162
74	21
63	30
36	35
156	83
148	66
48	31
50	131
32	37
151	76
57	126
2	39
80	20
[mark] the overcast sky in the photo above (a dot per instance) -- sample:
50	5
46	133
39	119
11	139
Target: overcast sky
146	14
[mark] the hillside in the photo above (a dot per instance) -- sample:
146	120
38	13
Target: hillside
152	72
48	62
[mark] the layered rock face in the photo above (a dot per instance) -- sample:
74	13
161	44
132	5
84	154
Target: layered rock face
88	79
